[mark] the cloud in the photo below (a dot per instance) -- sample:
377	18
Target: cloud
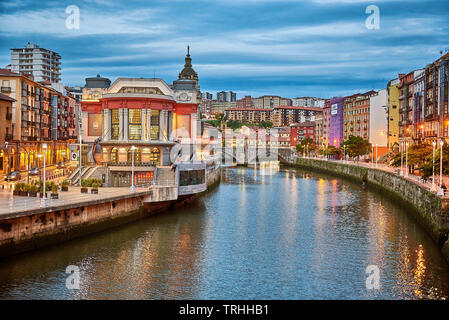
53	22
316	47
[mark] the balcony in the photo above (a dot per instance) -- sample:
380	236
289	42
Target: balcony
5	89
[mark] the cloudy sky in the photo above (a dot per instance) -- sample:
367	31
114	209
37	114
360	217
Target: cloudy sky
255	47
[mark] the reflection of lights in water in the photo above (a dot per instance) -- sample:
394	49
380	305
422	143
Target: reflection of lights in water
419	271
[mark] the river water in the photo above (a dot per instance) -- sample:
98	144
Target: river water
262	234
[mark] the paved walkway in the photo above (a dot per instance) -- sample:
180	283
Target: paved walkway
427	184
10	204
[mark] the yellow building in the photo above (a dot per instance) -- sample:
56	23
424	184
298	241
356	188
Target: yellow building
393	115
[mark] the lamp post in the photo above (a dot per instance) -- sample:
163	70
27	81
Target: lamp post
433	167
440	190
406	159
344	153
376	155
327	157
63	153
132	170
44	148
372	156
402	157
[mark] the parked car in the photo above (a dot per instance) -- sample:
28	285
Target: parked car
60	165
35	172
13	176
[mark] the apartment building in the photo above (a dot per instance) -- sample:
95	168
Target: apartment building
37	63
39	115
249	115
286	115
393	115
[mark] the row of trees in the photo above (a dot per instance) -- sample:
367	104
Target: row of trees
236	124
354	147
420	158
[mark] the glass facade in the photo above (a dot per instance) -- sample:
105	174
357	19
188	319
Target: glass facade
134	124
115	124
154	129
155	157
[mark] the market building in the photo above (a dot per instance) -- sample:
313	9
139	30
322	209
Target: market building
137	121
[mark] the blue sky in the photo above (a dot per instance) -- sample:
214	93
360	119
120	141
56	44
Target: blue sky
256	47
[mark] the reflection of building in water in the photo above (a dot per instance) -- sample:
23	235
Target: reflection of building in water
162	263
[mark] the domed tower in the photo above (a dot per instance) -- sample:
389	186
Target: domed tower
188	73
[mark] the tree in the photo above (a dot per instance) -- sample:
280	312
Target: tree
427	165
331	151
418	155
356	146
301	147
266	124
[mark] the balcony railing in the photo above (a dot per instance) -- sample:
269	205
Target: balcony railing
8	136
129	164
5	89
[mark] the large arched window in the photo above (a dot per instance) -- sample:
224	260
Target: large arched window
155	156
114	155
137	156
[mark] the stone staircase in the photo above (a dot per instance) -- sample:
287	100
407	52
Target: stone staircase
165	176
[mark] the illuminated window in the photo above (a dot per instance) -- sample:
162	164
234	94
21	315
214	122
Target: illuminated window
137	156
115	124
134	124
155	156
114	157
154	125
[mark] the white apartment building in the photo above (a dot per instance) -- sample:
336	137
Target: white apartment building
42	64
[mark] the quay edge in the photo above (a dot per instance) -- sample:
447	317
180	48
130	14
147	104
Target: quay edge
40	228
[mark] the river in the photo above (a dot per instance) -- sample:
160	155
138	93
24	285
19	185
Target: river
261	234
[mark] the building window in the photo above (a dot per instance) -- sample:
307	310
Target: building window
137	156
135	124
154	130
115	124
155	157
114	155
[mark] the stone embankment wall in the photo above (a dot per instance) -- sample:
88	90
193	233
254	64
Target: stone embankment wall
24	231
430	210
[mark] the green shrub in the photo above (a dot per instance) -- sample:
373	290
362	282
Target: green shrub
19	186
96	185
54	188
65	183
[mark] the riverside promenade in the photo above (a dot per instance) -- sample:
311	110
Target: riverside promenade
424	183
15	206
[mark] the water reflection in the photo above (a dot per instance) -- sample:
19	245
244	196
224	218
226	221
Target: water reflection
261	234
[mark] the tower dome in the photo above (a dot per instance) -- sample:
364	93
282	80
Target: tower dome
188	73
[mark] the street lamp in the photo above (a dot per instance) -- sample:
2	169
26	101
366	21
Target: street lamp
402	157
406	159
132	169
433	167
63	153
440	190
344	153
376	155
372	156
44	148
